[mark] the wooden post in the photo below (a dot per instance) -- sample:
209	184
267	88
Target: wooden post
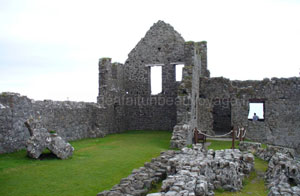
204	137
233	138
244	131
196	135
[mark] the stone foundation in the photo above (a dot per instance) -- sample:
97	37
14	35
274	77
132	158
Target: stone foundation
283	174
193	171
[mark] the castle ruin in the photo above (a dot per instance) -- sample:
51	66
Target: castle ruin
125	101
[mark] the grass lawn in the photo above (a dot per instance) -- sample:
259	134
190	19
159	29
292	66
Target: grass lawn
219	145
96	165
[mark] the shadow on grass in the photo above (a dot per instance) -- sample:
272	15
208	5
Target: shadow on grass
48	156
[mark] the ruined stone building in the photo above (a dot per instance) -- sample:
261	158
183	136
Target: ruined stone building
126	102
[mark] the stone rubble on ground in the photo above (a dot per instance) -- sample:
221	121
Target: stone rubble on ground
283	174
199	171
265	153
192	171
41	139
249	146
270	151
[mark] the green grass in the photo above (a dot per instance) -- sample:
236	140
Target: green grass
156	187
219	145
96	165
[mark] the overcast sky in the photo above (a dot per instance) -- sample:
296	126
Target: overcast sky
49	49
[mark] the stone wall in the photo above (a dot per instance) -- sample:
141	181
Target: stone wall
191	171
131	89
281	101
161	46
71	120
112	94
187	93
124	101
283	173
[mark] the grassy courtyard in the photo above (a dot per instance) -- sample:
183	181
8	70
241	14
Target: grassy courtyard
97	165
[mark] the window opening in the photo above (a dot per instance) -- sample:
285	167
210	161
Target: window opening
256	111
178	74
156	79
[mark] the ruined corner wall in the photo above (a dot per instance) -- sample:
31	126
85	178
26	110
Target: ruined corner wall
188	90
71	120
281	99
112	94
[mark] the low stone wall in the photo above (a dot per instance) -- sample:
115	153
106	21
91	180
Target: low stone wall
283	174
193	171
265	153
142	179
179	136
249	146
71	120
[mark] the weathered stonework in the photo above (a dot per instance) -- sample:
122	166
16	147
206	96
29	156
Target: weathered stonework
281	101
125	101
193	171
71	120
41	139
283	173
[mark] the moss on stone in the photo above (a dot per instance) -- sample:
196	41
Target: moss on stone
189	42
4	94
188	84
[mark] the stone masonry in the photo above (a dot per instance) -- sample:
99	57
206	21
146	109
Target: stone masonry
125	101
70	120
41	139
283	173
191	171
280	97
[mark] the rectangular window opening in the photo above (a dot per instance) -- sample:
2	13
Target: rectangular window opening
256	111
178	74
156	79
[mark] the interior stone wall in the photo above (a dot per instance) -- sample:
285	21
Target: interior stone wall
281	98
187	93
221	117
71	120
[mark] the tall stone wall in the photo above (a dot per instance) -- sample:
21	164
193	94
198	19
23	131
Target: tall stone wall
187	93
71	120
281	102
112	94
161	46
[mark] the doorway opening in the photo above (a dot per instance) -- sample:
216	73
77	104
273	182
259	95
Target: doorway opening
221	116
